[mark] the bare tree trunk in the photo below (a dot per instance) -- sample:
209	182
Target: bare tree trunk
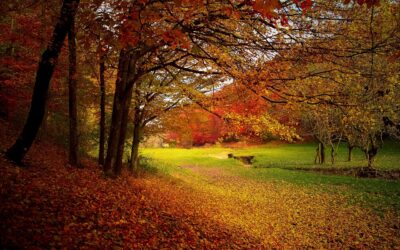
102	69
350	152
116	118
135	151
333	153
72	86
322	153
122	136
134	166
317	154
371	153
44	73
122	98
128	75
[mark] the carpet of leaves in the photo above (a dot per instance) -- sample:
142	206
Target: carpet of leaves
49	204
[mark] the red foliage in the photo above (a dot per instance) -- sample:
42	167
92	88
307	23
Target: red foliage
194	127
23	38
51	205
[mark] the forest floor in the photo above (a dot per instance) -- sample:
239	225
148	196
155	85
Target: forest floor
49	204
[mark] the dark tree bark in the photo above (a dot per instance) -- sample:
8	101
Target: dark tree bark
72	88
333	153
124	125
127	77
102	69
317	155
134	166
43	76
322	153
350	152
116	118
371	153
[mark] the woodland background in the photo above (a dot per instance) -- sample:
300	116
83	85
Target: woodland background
87	83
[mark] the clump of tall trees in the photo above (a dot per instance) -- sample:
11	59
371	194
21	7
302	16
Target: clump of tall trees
330	67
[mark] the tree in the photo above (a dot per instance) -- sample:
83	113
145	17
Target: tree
167	44
153	97
43	76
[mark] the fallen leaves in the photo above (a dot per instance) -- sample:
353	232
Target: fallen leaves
48	205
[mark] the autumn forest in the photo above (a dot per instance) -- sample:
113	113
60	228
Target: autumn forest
194	124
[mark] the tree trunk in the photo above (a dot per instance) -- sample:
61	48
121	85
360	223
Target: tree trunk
43	75
102	69
72	86
128	74
122	99
322	153
135	150
333	154
116	118
317	154
134	166
350	152
124	125
371	153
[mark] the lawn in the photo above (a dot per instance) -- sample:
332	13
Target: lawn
276	203
278	163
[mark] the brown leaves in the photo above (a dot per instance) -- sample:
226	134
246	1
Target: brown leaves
49	205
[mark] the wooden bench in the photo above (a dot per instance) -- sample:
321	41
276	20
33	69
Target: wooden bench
246	159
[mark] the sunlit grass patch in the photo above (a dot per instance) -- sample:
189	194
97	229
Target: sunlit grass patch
279	206
276	164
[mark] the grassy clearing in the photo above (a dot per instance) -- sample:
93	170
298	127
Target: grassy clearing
282	208
275	163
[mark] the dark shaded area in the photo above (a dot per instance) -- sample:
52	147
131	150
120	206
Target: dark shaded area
362	172
52	206
44	74
247	159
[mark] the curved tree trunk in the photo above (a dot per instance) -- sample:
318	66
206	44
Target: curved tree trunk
72	89
42	82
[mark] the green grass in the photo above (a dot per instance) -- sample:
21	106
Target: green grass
302	155
277	163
